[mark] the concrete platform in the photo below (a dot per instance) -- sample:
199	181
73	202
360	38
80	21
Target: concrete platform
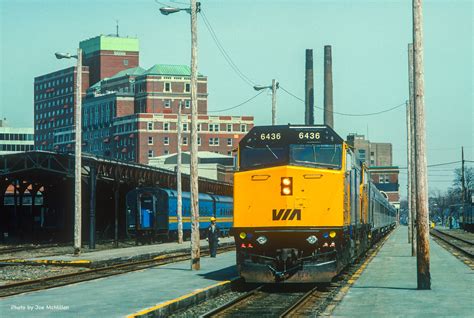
388	286
116	256
122	295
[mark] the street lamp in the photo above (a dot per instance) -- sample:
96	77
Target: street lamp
77	152
195	248
273	87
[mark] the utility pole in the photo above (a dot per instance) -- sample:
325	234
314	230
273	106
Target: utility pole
273	87
411	147
195	239
179	205
409	163
463	179
423	244
309	89
328	99
274	101
77	158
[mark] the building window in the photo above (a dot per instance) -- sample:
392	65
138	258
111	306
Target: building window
185	127
150	153
213	141
166	126
166	152
167	103
229	141
243	128
185	140
187	87
229	127
187	103
213	127
125	62
150	140
199	127
166	140
199	141
150	125
167	87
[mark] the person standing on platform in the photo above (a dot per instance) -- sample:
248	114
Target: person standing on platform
213	234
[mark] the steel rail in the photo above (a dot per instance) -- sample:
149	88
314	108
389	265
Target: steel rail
442	236
299	303
231	303
91	274
454	236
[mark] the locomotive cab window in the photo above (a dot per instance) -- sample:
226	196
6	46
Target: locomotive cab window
319	155
252	157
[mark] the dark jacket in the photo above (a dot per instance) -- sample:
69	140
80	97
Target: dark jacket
213	236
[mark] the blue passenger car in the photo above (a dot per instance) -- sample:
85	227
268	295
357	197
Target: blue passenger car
157	217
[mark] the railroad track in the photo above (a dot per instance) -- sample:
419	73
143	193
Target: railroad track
464	246
297	300
15	249
274	301
91	274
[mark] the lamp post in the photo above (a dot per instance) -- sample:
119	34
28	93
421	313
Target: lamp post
195	248
77	152
273	87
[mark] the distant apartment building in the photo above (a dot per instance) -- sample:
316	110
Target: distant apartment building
378	157
131	113
13	139
372	153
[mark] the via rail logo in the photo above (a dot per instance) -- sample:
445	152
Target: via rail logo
286	214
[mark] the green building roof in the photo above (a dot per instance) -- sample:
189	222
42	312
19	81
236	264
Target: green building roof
109	43
169	69
135	71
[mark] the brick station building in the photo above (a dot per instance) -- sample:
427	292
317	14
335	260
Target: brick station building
131	113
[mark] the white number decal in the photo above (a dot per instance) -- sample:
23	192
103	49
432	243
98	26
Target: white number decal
309	135
270	136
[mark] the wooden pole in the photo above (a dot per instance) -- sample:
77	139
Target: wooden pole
195	237
409	163
412	166
463	180
423	244
274	91
309	89
328	97
77	159
179	204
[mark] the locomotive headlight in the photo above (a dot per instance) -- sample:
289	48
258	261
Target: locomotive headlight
286	186
332	234
243	235
261	240
312	239
286	181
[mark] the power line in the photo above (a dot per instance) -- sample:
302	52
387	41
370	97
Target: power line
346	114
233	107
224	52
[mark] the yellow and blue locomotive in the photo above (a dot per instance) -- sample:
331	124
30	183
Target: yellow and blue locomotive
303	206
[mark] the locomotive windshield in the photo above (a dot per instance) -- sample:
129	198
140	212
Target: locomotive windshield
267	156
317	155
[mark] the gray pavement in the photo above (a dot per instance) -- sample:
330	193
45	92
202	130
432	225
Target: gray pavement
99	258
118	296
387	287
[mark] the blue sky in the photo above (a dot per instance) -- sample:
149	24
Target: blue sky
267	39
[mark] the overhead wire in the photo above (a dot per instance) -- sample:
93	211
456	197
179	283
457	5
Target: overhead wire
347	114
224	53
236	106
